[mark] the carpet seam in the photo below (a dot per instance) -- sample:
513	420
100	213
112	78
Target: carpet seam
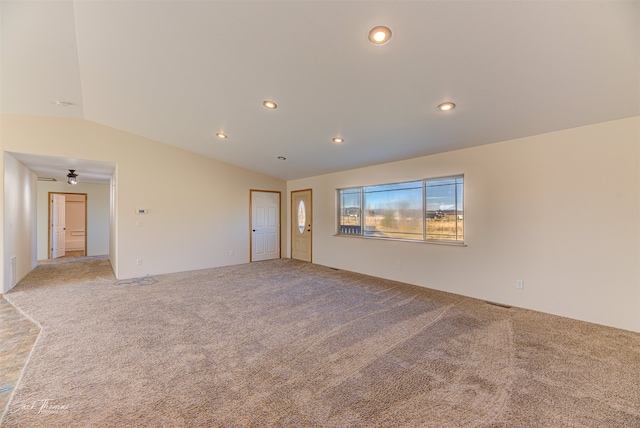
26	363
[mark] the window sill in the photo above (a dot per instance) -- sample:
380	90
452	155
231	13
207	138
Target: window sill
433	241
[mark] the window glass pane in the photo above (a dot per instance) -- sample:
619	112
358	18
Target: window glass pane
394	211
460	211
444	209
418	210
395	186
302	216
350	211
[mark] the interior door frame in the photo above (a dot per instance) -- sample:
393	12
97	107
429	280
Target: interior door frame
251	221
292	220
86	205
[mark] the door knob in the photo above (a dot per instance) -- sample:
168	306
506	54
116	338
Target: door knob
254	230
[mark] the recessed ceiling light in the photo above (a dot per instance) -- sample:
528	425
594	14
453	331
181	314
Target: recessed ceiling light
221	135
338	140
446	106
282	158
380	35
270	104
62	103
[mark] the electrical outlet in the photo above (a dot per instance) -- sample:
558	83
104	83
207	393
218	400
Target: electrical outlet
398	265
231	252
520	284
139	223
139	262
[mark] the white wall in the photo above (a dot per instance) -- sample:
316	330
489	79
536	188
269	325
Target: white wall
98	198
19	231
560	211
113	222
198	207
5	283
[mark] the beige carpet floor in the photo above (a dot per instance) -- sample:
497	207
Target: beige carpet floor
286	343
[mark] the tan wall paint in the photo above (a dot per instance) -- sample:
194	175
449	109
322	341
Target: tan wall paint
198	207
560	211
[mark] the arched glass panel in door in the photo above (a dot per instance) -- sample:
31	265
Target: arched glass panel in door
302	216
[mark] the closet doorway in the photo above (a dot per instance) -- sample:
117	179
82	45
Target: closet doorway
67	225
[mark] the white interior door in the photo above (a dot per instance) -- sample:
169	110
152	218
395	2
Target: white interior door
57	226
301	221
265	225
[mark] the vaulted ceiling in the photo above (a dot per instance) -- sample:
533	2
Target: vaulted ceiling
180	71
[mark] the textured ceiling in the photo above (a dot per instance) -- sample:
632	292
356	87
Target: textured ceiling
178	72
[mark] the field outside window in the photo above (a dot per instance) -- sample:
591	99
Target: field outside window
425	210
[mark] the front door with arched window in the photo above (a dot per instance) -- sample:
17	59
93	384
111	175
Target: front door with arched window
301	225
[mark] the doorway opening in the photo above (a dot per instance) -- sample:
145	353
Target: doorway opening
67	225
